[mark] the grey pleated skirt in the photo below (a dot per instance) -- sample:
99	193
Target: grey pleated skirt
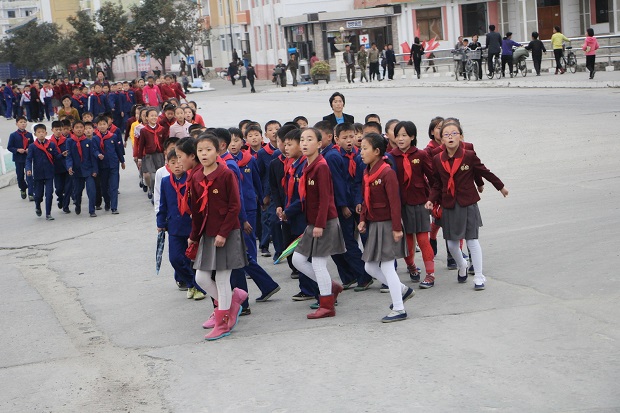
330	243
229	257
380	245
152	162
416	219
461	222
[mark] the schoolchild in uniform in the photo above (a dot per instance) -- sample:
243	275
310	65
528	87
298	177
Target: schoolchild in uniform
290	211
359	135
180	127
82	165
46	95
197	117
150	149
322	237
109	148
97	102
389	134
173	216
381	219
434	134
167	119
163	172
330	152
127	100
269	223
25	103
415	173
215	206
352	258
455	169
19	142
62	181
77	102
301	121
40	165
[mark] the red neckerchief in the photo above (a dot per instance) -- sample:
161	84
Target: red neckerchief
113	128
205	193
455	167
282	158
25	139
98	96
407	171
178	186
352	165
222	159
269	149
27	94
59	141
79	146
290	181
368	178
157	129
245	159
126	96
102	139
43	147
301	188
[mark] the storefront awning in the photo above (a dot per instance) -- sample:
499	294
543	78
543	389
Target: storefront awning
338	16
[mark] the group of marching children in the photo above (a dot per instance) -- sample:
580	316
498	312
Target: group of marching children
326	185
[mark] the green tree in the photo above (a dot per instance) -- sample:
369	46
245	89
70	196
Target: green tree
162	27
23	46
103	36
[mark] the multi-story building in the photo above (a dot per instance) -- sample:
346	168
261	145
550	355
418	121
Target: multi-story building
228	21
14	13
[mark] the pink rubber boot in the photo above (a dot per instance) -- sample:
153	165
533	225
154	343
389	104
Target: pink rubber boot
221	328
238	297
210	323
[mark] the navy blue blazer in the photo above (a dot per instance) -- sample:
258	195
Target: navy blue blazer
264	159
169	216
250	183
113	151
338	171
16	142
85	166
294	210
38	162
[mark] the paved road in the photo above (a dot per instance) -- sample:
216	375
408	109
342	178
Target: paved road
87	326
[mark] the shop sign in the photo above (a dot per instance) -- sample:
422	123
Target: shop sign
354	24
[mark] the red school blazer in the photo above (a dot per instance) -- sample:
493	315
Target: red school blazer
417	190
319	202
464	179
384	192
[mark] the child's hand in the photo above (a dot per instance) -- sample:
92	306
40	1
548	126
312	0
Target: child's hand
65	153
123	165
247	228
358	208
428	205
481	188
398	235
279	212
346	212
100	156
361	227
266	201
504	192
28	173
161	229
70	171
190	242
317	232
94	174
220	241
20	151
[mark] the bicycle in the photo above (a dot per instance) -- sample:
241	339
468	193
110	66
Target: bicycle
518	58
570	60
497	67
465	63
209	74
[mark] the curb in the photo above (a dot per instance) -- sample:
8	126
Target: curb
8	179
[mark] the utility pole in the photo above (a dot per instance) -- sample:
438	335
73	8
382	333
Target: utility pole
230	29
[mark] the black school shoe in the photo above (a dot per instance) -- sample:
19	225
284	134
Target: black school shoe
78	209
39	212
66	210
23	194
49	218
93	215
434	246
245	311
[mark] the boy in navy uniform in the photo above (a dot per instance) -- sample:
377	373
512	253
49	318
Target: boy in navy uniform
82	165
97	102
345	133
62	182
109	149
40	165
173	215
19	142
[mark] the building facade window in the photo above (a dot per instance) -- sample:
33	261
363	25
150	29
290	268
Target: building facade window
602	11
474	19
10	14
220	7
430	24
269	37
223	42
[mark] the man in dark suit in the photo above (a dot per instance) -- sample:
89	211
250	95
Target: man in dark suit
337	101
493	45
390	57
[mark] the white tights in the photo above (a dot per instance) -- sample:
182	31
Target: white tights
316	270
219	289
385	272
476	258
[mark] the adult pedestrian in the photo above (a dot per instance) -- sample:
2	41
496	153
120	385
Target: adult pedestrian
183	64
557	43
390	58
537	48
235	56
251	77
494	47
313	59
475	45
384	60
373	62
232	72
279	73
156	72
507	45
185	81
590	45
246	58
337	101
362	58
292	66
243	74
349	62
199	68
416	55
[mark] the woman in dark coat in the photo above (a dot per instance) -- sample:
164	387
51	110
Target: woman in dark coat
416	55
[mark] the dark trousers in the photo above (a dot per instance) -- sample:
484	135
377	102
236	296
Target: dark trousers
490	58
506	59
416	66
252	85
374	70
306	284
294	75
49	109
9	108
350	73
537	60
263	281
243	79
479	61
44	186
27	111
276	236
557	53
107	183
390	68
60	183
24	182
350	265
34	110
590	60
78	185
250	239
384	65
183	271
266	217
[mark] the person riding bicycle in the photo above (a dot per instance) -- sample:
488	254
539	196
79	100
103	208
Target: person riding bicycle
494	46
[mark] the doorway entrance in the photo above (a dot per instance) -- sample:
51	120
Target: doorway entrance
548	16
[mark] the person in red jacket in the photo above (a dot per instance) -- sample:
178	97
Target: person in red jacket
167	89
150	150
455	170
215	205
381	219
323	235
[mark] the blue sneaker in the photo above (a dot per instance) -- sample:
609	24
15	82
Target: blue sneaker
462	278
408	295
384	288
479	287
428	282
394	316
471	270
451	263
414	273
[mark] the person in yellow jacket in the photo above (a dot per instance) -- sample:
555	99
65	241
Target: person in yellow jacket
557	39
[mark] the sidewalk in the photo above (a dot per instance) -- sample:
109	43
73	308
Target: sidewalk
568	80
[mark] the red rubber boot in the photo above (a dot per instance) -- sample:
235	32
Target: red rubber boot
326	308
